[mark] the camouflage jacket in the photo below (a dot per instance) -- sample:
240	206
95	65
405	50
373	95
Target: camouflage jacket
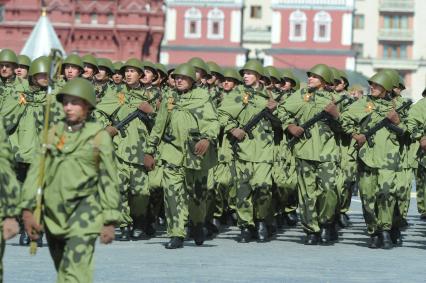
298	109
184	119
238	108
416	127
80	191
9	188
102	88
359	118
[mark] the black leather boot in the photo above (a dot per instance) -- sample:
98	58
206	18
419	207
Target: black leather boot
375	242
217	223
174	243
245	235
292	218
40	241
262	232
334	235
396	236
325	236
125	234
198	234
24	240
311	239
386	240
343	220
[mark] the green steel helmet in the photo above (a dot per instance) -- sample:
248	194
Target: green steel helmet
107	64
335	74
75	60
161	69
252	65
24	60
287	74
134	63
273	72
78	87
401	83
383	79
117	66
7	55
171	70
323	71
233	74
266	77
186	70
297	86
89	59
197	62
40	65
393	75
344	76
215	68
149	65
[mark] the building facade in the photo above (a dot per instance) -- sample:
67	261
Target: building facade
115	29
308	32
201	28
389	34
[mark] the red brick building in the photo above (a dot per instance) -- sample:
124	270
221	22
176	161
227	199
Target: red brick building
116	29
308	32
204	28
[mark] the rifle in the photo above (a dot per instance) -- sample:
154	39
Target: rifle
308	124
386	123
145	118
56	54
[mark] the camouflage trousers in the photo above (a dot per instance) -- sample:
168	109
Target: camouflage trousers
185	197
134	191
253	192
2	246
73	257
421	189
285	194
318	197
403	194
346	181
382	191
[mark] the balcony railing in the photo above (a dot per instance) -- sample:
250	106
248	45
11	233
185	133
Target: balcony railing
396	63
396	34
406	6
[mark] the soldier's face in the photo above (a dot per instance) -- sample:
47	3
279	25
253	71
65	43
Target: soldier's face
41	79
397	91
228	84
76	109
340	86
132	75
171	81
183	83
212	80
315	82
286	86
71	71
102	75
148	76
6	69
251	78
21	72
117	78
377	90
88	71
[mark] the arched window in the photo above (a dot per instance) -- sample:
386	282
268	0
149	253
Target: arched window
322	28
215	22
297	26
193	23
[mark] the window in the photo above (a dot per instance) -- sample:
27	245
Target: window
1	13
110	19
255	12
93	18
297	26
358	48
395	21
322	28
193	23
359	22
215	22
395	51
77	17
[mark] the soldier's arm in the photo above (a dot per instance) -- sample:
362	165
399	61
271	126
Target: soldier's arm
157	131
108	179
209	126
287	110
416	120
225	118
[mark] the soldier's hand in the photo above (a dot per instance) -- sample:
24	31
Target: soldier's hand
31	227
272	104
107	234
10	228
238	133
201	147
331	109
393	117
295	130
146	107
360	139
423	143
112	131
149	162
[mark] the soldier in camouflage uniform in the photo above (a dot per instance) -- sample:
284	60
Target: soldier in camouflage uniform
253	159
90	67
130	144
24	63
117	77
102	80
10	195
317	157
202	71
80	193
181	143
379	164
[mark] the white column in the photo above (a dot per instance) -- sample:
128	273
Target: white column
276	28
347	21
171	24
236	26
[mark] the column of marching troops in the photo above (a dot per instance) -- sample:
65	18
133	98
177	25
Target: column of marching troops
131	145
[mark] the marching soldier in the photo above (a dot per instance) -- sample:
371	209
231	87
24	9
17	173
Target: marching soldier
102	79
24	63
117	77
181	148
90	67
80	193
202	71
